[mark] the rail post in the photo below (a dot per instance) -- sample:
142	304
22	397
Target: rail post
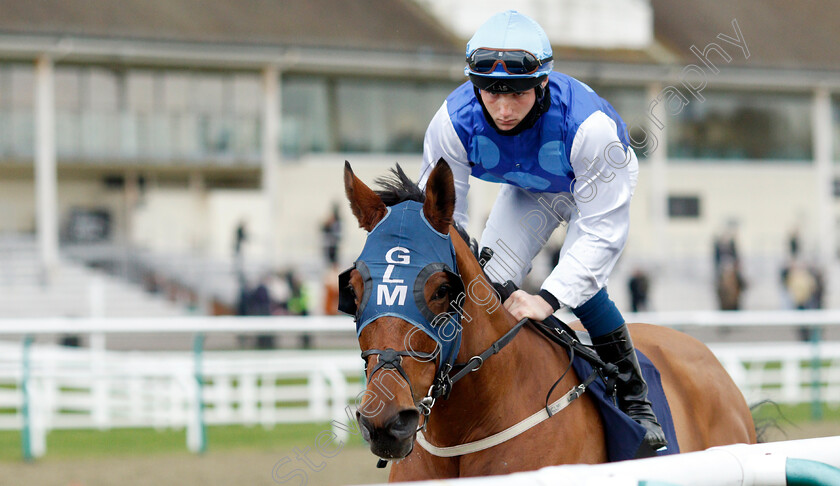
26	430
816	381
197	434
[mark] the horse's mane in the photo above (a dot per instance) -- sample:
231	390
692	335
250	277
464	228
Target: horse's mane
398	187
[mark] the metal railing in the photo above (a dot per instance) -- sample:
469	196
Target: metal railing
45	386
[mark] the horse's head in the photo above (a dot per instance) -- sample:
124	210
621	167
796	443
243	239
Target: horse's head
401	291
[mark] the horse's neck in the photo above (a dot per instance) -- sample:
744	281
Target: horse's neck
517	376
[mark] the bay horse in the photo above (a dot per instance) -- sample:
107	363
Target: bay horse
404	358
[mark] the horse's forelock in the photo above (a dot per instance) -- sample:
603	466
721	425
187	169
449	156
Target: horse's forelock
398	187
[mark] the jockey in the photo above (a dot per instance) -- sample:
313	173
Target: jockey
562	156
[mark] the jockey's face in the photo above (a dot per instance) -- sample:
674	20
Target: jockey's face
508	109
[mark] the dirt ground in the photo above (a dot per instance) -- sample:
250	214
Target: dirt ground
350	466
245	468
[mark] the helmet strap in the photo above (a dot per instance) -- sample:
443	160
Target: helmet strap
541	105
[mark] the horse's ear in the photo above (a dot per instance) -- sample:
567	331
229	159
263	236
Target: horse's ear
367	206
440	197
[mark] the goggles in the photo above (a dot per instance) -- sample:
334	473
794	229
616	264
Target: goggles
514	61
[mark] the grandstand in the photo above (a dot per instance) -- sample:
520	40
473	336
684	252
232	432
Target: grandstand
231	114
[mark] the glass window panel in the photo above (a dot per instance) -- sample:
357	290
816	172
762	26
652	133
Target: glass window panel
359	123
176	92
5	86
835	126
209	102
209	93
67	88
101	133
5	109
305	126
23	86
631	105
102	90
247	136
141	91
68	133
386	116
23	132
247	94
742	125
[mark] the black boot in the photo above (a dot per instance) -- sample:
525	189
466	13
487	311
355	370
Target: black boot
631	389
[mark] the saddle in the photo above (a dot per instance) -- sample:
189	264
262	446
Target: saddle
623	435
578	343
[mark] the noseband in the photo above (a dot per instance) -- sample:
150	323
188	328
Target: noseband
390	359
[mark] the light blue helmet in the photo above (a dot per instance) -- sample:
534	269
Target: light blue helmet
508	53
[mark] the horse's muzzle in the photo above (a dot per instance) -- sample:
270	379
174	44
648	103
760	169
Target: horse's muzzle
394	439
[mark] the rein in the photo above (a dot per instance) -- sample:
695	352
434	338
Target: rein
560	333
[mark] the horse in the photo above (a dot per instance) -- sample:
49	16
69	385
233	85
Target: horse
506	367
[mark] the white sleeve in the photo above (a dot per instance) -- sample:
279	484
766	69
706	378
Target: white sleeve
606	176
442	142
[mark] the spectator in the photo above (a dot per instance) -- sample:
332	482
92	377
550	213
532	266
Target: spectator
298	304
801	285
793	243
802	288
726	248
239	238
331	231
639	285
260	302
729	280
730	285
819	288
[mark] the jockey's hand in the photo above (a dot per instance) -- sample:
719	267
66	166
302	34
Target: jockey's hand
522	304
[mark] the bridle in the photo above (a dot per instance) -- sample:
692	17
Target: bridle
401	254
432	252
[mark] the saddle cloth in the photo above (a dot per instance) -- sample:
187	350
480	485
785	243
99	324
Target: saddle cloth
623	435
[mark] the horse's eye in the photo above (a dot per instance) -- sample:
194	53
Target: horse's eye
442	292
352	290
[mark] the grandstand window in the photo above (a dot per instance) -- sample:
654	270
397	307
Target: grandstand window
176	92
306	123
247	109
21	103
22	78
835	126
247	94
386	116
5	110
100	128
631	105
102	90
68	96
742	125
179	117
67	88
211	102
684	207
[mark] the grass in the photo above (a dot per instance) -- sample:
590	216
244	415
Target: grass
94	444
73	444
796	414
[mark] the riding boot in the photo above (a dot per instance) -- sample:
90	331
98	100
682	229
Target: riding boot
617	348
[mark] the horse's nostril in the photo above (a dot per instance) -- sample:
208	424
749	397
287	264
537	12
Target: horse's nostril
404	424
364	426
